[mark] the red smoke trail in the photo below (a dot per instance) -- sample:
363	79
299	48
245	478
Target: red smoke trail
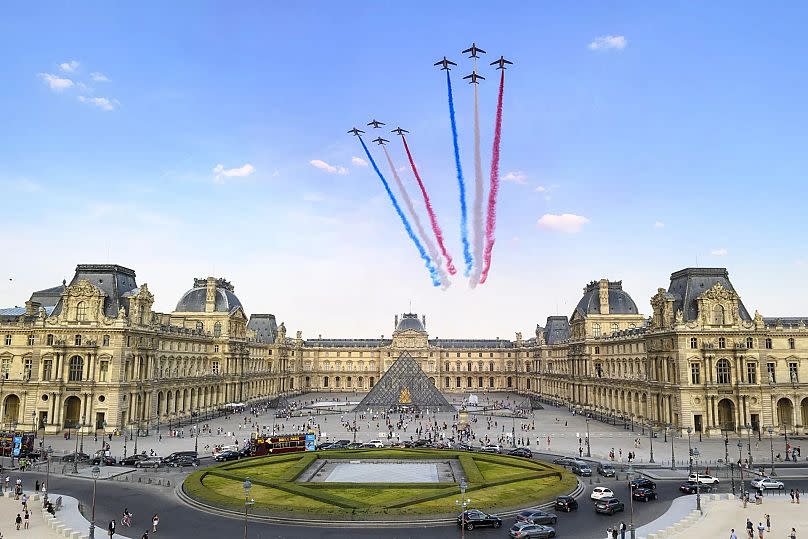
432	219
491	224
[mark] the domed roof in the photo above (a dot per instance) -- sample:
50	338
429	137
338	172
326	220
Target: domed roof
410	321
619	300
193	301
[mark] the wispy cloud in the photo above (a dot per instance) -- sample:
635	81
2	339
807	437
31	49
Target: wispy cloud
98	77
540	189
515	176
608	42
221	174
659	224
69	67
358	162
55	82
102	103
719	252
566	222
331	169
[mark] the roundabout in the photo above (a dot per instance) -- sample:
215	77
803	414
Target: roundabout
367	484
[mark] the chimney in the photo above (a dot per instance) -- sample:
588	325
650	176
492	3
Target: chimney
32	307
423	320
603	286
395	323
210	297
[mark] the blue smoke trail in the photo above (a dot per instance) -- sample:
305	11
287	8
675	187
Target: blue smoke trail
433	272
460	183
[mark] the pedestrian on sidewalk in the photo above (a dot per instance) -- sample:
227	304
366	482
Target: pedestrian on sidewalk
26	519
732	534
36	486
622	530
761	529
155	521
18	521
145	535
111	528
768	523
750	529
792	495
797	494
793	534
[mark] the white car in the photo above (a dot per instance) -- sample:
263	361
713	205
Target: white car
703	479
599	493
376	443
767	483
493	448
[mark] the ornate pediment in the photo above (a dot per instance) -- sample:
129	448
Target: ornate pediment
718	306
719	293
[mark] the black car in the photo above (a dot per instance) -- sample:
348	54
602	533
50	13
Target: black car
606	470
342	444
245	452
537	516
76	457
227	455
105	460
179	454
184	460
642	482
132	460
644	494
609	506
474	518
582	469
565	461
521	452
690	487
566	503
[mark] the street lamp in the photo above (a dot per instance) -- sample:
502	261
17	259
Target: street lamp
462	503
247	502
749	442
631	500
96	471
726	446
689	452
673	459
76	455
48	453
740	465
651	440
771	446
588	451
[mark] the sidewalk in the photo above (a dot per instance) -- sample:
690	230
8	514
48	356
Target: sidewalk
721	516
38	528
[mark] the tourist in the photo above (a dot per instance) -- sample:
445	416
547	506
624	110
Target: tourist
797	494
145	535
749	529
793	534
792	495
155	521
768	523
761	528
111	528
732	534
27	519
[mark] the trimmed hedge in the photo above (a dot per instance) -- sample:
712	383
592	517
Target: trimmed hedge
473	474
295	470
323	484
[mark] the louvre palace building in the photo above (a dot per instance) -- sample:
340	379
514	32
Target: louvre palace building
93	355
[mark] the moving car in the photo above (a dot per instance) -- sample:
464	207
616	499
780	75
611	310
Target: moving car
132	460
492	448
565	461
689	487
644	494
642	482
78	457
149	462
521	452
703	479
537	516
606	470
599	493
768	483
184	460
528	530
375	443
474	518
566	503
104	460
227	455
582	469
609	506
179	454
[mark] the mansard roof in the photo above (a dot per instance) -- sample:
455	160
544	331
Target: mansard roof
690	283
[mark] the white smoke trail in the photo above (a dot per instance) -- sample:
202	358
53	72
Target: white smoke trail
477	217
425	238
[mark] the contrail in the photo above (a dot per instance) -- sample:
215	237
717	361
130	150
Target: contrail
430	247
491	224
477	216
433	273
428	203
461	183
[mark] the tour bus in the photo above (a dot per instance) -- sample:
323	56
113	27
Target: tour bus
282	443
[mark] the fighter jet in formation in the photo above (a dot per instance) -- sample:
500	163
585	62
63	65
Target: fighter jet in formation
445	63
474	49
501	62
474	76
355	132
399	131
380	141
375	123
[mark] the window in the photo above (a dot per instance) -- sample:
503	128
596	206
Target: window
8	340
81	311
599	369
597	350
446	382
30	340
216	348
128	340
468	381
325	381
458	354
76	369
27	368
596	330
491	382
468	366
490	366
722	371
750	342
510	382
792	373
77	340
768	344
694	343
718	315
49	339
47	369
791	343
751	373
772	373
105	340
722	342
457	382
215	367
615	327
102	373
695	373
217	329
480	381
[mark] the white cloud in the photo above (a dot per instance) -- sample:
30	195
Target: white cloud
516	176
313	197
55	82
659	224
719	252
358	162
221	173
69	67
540	189
331	169
566	222
101	102
608	42
98	77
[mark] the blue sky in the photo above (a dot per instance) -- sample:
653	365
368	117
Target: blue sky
681	141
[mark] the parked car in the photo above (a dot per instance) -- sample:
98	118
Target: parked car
606	470
104	460
184	460
132	460
178	454
342	444
521	452
566	503
355	445
703	479
491	448
224	456
582	469
689	487
464	447
609	506
528	530
599	493
375	443
768	483
537	516
642	482
77	457
244	452
565	461
327	447
644	494
149	462
474	518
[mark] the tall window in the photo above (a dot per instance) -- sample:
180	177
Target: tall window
468	366
722	342
468	381
751	373
718	315
77	340
102	373
791	343
792	373
510	382
768	344
615	327
31	340
81	311
457	381
215	367
490	366
722	371
325	381
27	368
47	369
76	369
695	373
597	350
446	366
217	329
8	340
771	371
596	330
105	340
491	382
446	382
750	342
6	366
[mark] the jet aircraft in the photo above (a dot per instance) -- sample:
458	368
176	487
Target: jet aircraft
399	131
355	132
445	63
474	76
501	62
474	49
380	141
375	123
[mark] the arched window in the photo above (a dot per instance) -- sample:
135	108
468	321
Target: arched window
596	330
718	315
81	311
217	329
76	369
490	366
615	327
722	371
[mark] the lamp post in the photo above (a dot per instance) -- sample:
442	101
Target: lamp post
740	466
665	434
771	446
689	452
673	458
76	455
247	502
631	501
726	446
137	435
749	442
588	451
651	440
462	503
48	453
785	436
732	476
96	471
